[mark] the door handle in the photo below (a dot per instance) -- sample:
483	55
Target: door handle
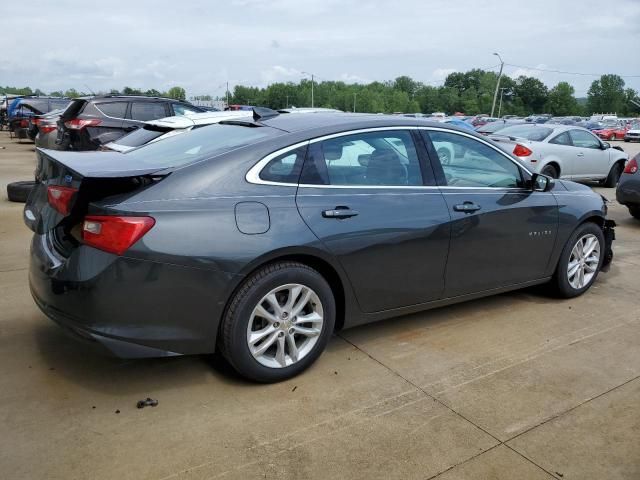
580	154
467	207
339	212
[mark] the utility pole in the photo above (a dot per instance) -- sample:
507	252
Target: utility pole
354	102
287	104
495	94
310	74
500	105
227	94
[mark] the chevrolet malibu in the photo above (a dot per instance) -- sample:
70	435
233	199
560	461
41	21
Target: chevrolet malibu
259	237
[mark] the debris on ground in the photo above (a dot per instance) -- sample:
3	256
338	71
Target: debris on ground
149	402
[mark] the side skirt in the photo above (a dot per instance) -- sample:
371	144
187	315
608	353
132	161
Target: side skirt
365	318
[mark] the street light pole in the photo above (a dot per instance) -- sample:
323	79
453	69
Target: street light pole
495	94
500	105
310	74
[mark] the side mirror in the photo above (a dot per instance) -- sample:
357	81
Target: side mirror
541	183
606	145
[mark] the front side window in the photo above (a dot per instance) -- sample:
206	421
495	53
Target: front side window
145	111
285	168
385	158
467	162
584	139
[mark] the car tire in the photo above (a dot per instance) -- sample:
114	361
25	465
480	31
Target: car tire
612	137
271	358
614	176
635	212
565	283
550	171
19	191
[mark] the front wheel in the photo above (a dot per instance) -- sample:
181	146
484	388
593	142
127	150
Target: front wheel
278	323
580	261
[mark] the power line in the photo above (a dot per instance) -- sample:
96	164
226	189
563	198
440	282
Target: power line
567	73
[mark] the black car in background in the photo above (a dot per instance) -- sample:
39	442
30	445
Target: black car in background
88	123
628	190
259	236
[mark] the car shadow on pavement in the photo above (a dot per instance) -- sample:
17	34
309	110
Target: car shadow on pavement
90	366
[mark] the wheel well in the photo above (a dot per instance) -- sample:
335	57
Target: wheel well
555	165
594	219
325	269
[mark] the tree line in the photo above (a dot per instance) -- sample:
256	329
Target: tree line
468	92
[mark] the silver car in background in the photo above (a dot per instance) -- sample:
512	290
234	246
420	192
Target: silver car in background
563	151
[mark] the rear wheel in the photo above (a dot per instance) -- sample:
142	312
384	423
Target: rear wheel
612	137
278	323
550	171
635	212
614	176
580	261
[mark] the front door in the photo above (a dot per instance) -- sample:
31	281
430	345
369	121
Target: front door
501	233
589	159
364	197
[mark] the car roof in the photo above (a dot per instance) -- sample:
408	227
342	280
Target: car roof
339	121
129	97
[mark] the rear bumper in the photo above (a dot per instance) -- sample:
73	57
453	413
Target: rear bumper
628	190
134	308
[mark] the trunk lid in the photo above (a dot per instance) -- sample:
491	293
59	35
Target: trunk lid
93	176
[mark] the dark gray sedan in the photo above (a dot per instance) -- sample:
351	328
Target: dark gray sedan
628	189
261	236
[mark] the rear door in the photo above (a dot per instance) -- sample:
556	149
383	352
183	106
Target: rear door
589	159
368	199
501	232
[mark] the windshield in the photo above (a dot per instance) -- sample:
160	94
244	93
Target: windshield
535	133
141	136
198	144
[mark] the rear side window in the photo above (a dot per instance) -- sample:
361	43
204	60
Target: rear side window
145	111
562	139
113	109
285	168
385	158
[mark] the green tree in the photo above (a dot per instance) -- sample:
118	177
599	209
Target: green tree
561	100
532	93
177	92
607	95
72	93
57	93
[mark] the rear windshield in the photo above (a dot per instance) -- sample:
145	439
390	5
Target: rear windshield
198	144
140	136
535	133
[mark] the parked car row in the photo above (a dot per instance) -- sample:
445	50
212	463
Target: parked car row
258	236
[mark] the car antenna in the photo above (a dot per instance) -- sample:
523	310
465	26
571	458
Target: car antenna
262	113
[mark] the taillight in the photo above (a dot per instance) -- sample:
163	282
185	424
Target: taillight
35	121
80	123
60	198
47	128
24	123
114	234
521	151
631	166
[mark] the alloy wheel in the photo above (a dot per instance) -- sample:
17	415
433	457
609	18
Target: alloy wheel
584	261
285	325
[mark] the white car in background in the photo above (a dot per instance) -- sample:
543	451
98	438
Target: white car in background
563	151
155	130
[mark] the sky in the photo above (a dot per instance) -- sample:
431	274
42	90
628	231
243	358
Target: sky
200	45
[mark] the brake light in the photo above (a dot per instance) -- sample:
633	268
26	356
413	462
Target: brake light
47	128
24	123
80	123
631	166
60	198
114	234
521	151
35	121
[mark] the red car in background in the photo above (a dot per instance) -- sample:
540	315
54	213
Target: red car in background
612	133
